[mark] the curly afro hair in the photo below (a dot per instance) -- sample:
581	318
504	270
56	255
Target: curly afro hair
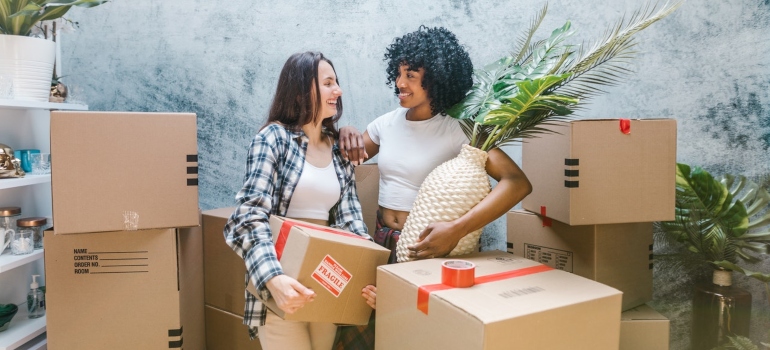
448	68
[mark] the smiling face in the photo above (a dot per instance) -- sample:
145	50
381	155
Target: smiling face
411	94
329	89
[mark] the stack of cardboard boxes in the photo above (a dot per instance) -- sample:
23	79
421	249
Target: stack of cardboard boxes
123	260
597	187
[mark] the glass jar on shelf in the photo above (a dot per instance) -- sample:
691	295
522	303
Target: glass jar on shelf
36	225
8	217
22	242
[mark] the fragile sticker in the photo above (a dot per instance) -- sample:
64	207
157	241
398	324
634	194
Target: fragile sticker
331	275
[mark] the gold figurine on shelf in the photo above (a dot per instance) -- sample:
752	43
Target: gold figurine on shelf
9	165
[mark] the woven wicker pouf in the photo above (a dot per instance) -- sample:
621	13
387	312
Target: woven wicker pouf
449	191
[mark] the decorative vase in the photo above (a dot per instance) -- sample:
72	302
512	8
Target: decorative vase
28	63
449	191
719	309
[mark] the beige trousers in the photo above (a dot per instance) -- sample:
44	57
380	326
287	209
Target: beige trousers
279	334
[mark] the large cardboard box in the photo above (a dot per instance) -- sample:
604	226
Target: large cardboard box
226	331
333	263
224	271
114	171
125	290
643	328
590	172
524	305
618	255
368	188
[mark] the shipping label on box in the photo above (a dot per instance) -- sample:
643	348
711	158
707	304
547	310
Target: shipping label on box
115	171
515	302
336	264
590	172
618	255
643	328
139	290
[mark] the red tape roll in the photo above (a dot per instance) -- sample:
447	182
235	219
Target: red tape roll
458	273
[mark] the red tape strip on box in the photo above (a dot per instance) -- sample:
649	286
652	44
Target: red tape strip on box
546	221
625	126
283	234
423	292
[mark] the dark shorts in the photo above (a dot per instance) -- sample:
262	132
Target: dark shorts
362	337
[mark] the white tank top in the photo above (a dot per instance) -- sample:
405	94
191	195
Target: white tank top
317	191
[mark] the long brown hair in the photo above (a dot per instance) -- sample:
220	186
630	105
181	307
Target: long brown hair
294	105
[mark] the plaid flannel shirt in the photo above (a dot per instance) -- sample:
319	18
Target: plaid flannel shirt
273	168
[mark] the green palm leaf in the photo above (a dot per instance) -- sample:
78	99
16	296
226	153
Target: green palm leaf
502	114
713	221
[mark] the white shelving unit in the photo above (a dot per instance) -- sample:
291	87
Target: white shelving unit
25	125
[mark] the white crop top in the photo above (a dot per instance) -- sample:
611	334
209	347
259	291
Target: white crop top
409	151
317	191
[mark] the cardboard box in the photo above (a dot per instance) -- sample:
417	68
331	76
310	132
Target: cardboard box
114	171
618	255
592	173
643	328
226	331
125	290
550	309
224	271
368	188
335	264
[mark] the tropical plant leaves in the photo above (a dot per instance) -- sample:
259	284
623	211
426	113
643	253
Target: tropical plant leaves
495	103
713	222
17	17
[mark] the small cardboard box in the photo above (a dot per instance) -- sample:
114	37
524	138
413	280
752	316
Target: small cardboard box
368	188
544	309
618	255
643	328
224	271
114	171
334	263
590	172
226	331
125	290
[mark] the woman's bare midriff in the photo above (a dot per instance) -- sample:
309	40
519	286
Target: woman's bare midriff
394	219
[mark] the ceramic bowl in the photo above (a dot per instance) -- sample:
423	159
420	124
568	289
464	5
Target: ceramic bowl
7	311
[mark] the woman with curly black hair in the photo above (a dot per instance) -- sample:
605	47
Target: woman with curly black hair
430	72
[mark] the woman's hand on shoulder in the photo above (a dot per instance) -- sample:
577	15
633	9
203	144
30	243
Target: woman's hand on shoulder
352	145
289	294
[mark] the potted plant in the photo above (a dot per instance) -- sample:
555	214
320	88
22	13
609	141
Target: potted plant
722	222
24	60
542	81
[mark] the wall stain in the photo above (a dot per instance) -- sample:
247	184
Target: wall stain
739	121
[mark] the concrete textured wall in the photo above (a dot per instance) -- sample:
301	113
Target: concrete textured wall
706	66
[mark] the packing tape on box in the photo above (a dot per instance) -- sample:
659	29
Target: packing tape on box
283	235
625	126
458	273
423	292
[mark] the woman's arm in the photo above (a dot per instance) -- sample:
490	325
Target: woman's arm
347	213
439	238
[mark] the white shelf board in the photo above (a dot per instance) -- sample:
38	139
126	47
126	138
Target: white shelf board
38	343
27	180
22	329
9	261
21	104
